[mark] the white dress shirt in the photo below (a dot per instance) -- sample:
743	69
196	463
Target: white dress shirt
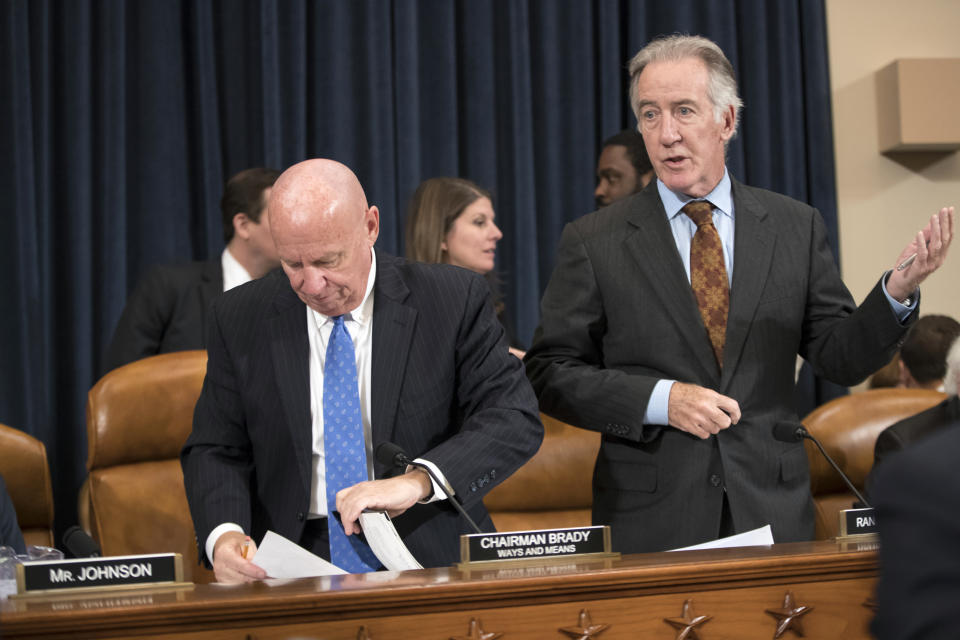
234	274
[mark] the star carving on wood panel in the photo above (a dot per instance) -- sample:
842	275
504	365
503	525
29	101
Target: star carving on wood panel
789	616
585	629
363	634
475	632
687	625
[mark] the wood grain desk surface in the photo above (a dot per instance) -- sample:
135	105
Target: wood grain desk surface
722	579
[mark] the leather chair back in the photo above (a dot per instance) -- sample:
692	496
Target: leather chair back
23	465
848	428
138	417
554	488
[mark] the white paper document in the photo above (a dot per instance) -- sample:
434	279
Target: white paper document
281	558
756	538
386	543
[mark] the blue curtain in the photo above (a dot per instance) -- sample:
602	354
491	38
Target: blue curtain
122	121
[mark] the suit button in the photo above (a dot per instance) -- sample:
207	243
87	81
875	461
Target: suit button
300	516
715	480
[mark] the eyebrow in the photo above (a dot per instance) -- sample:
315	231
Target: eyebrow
675	103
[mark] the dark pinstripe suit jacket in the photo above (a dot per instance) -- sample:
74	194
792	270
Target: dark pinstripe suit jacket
619	314
166	312
443	386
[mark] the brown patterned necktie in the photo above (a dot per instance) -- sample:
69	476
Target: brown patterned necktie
708	275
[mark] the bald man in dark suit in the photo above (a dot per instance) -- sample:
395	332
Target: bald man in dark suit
434	372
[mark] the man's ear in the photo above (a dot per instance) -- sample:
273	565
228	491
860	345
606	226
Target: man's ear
728	119
372	223
905	377
240	225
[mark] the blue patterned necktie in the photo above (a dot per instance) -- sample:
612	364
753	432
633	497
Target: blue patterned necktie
344	450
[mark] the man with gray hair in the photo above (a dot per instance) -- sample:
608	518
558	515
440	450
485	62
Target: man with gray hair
673	319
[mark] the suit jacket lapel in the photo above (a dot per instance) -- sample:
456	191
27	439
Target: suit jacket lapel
290	349
655	252
393	326
754	241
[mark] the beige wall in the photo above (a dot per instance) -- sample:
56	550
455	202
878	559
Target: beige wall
884	200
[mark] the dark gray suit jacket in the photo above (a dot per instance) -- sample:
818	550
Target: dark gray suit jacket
619	314
443	387
166	312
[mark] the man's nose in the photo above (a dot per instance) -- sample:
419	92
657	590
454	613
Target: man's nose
601	191
314	281
669	133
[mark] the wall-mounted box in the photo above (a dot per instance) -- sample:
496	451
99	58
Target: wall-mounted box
918	105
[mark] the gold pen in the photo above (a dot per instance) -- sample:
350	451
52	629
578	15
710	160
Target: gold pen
245	548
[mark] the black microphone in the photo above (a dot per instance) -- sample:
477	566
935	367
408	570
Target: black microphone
393	455
79	543
793	432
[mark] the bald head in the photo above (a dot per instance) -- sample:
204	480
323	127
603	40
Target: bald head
324	230
316	188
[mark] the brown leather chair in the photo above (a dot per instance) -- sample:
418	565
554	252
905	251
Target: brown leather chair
138	417
848	428
23	465
554	488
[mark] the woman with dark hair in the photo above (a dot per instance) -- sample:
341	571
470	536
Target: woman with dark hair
451	220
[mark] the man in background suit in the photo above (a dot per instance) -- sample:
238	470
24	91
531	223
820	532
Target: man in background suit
926	423
434	374
167	310
915	495
686	382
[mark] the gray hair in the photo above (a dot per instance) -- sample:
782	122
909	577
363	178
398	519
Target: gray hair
721	83
952	379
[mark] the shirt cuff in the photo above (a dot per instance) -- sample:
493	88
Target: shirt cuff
215	535
659	404
900	310
438	493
